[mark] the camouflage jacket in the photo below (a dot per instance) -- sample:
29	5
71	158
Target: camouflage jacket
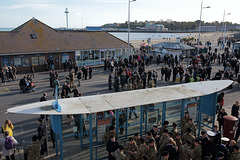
33	150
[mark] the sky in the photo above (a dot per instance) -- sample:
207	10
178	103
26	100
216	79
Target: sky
84	13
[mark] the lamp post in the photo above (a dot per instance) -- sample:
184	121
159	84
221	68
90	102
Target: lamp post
223	29
200	24
129	1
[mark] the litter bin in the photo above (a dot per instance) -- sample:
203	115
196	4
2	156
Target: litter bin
229	126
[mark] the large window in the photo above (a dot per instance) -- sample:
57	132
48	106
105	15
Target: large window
41	60
25	62
17	62
34	61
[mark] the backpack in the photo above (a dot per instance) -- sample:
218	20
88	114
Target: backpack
9	144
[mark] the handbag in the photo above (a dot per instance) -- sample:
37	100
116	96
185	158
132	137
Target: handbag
2	130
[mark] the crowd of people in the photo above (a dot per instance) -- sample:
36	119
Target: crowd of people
133	74
7	73
169	143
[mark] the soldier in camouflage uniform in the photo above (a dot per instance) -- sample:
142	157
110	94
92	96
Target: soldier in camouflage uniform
185	151
119	154
178	140
188	136
174	130
164	126
109	133
184	120
152	152
137	139
132	150
143	148
197	150
162	139
165	142
32	151
148	137
236	154
190	124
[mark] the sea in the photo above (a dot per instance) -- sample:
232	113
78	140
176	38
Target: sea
137	36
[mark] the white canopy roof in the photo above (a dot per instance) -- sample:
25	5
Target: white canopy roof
119	100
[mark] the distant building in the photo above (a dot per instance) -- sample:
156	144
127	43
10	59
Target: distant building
219	28
93	28
155	27
35	43
175	48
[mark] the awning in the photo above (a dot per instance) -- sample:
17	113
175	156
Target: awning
120	100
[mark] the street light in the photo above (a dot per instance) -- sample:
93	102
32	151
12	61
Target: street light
129	1
223	28
200	24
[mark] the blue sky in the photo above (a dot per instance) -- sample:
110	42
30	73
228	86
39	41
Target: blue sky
98	12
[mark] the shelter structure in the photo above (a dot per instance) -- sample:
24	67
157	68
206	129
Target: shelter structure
175	48
35	43
154	105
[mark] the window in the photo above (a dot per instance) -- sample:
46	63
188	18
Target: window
25	62
41	60
17	62
33	36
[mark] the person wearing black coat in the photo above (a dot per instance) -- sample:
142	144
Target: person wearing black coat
90	72
222	148
112	146
171	150
220	118
235	109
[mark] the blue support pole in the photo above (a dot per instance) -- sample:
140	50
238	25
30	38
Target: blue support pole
60	136
183	107
90	136
200	115
141	120
146	110
164	112
214	108
81	130
126	129
56	143
117	122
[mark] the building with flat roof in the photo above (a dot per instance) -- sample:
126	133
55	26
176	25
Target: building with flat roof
35	43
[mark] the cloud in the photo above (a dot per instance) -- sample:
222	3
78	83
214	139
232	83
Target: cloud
33	6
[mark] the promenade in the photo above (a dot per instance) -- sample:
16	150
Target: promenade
26	125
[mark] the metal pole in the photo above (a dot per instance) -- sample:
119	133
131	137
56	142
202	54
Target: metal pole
199	27
60	136
224	35
45	119
128	27
222	31
90	136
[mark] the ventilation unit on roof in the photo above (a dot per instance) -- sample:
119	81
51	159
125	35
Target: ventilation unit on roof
33	36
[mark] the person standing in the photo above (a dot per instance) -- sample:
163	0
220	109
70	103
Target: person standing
184	120
220	119
235	109
9	151
90	72
56	83
44	97
112	146
7	126
14	71
79	77
76	68
51	75
32	71
71	76
41	134
32	150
